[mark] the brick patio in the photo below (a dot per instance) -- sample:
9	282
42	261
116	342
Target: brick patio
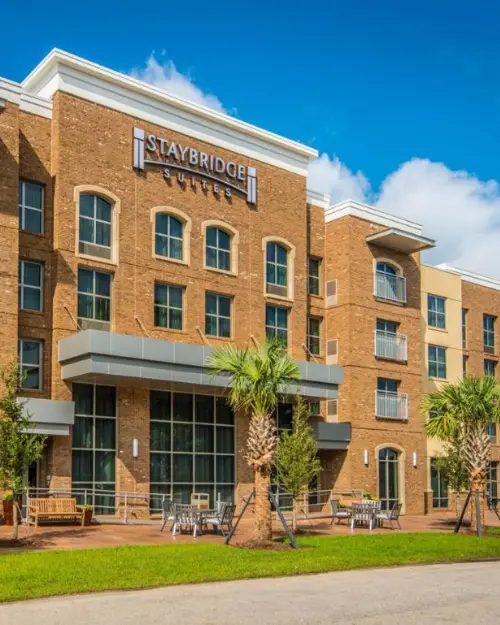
117	534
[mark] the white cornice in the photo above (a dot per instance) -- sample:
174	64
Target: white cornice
13	92
71	74
372	214
10	91
470	276
318	199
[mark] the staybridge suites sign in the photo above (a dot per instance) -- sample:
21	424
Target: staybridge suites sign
191	166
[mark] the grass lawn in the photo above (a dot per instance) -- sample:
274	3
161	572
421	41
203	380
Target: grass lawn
41	574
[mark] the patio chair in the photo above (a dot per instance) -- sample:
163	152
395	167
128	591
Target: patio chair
390	515
186	516
338	512
168	512
223	519
363	513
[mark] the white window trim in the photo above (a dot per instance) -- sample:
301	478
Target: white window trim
290	248
22	207
186	234
233	248
115	202
22	261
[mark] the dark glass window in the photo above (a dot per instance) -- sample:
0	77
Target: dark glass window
168	306
168	236
277	322
218	249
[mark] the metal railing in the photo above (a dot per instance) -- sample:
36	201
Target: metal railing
389	287
315	502
389	405
391	346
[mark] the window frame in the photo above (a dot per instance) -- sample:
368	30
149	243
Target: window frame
290	273
22	206
488	347
316	278
217	316
435	316
439	499
115	203
94	295
310	336
22	286
275	328
464	328
20	343
95	221
167	306
186	234
492	364
436	361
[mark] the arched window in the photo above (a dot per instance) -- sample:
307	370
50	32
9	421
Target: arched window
390	284
388	477
276	269
97	212
387	269
218	249
169	236
95	219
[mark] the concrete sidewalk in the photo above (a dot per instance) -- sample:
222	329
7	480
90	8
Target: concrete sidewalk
458	593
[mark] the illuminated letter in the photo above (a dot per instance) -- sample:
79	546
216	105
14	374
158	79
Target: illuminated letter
183	152
241	172
151	144
172	151
231	169
220	165
193	156
204	160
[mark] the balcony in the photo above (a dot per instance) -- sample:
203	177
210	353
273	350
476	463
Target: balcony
389	287
391	346
390	405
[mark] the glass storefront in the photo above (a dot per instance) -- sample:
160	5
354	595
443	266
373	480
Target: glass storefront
192	447
94	446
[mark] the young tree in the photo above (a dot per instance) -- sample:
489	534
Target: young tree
465	409
19	447
257	380
296	459
452	467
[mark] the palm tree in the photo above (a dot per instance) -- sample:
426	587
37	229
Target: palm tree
463	411
258	378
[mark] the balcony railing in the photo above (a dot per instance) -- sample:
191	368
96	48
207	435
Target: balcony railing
390	405
391	346
389	287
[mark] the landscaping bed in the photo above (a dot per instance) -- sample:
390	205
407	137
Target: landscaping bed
40	574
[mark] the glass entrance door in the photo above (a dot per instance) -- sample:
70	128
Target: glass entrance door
388	478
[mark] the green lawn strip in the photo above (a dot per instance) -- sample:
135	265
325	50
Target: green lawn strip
42	574
492	529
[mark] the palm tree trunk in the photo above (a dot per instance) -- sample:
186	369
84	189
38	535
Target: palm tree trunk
477	484
262	529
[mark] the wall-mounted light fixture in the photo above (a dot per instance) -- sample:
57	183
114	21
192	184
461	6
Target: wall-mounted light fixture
415	459
366	457
135	448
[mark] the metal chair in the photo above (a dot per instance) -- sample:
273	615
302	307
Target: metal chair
168	512
186	516
363	513
338	512
390	515
222	519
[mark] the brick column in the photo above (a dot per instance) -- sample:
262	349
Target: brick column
132	474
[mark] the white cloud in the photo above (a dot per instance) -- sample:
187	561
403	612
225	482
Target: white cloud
456	208
164	75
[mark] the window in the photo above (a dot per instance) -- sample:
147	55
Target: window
276	269
94	446
489	367
492	480
277	322
168	306
217	315
492	432
192	447
313	335
218	249
389	285
436	316
465	359
95	226
489	333
437	361
388	478
389	327
30	363
30	285
94	295
31	207
313	276
464	328
169	236
387	385
439	487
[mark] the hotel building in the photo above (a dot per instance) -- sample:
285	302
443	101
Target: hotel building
139	231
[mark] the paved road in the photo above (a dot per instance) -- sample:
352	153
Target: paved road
460	593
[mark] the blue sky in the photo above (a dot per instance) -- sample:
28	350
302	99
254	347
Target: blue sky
373	86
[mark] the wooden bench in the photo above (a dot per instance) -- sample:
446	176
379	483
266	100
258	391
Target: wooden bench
54	509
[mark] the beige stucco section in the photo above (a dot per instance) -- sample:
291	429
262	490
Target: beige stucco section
448	285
